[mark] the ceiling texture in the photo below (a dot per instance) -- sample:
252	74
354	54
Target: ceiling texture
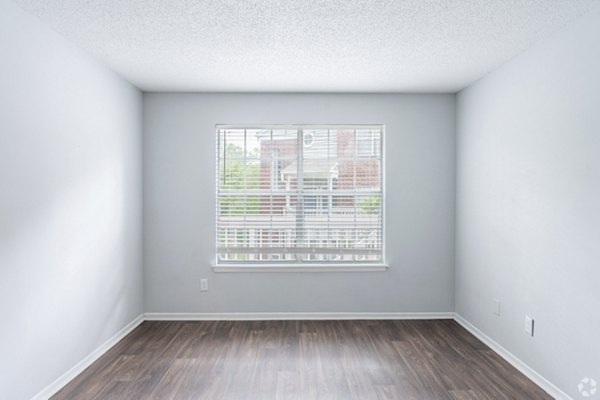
306	45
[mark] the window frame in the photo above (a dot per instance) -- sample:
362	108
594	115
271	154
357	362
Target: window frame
307	266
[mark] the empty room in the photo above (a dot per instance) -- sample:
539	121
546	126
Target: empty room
287	199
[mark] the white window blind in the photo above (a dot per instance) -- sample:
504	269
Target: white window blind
299	194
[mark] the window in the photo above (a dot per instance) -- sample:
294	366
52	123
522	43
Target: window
308	139
296	195
367	142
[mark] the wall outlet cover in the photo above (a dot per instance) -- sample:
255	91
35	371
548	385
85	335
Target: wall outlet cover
497	307
529	325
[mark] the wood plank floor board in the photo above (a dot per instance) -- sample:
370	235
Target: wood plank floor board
444	359
288	385
301	360
397	373
156	360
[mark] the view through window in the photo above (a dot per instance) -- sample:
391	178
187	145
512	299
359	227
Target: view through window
299	194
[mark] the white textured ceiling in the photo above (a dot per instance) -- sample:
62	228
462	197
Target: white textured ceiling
306	45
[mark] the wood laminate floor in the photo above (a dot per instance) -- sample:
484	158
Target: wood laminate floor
301	360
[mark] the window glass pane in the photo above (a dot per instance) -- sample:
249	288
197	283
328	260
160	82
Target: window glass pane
317	203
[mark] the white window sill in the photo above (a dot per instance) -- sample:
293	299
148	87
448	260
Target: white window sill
299	268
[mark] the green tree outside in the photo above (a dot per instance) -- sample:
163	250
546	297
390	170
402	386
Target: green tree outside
237	174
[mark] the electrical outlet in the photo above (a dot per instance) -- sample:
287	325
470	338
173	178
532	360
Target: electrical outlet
203	285
529	325
497	307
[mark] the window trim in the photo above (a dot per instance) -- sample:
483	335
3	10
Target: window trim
303	267
311	266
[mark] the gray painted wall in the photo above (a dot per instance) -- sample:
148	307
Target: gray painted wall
528	217
179	205
70	209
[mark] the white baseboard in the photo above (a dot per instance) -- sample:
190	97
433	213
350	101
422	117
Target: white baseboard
68	376
293	316
529	372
